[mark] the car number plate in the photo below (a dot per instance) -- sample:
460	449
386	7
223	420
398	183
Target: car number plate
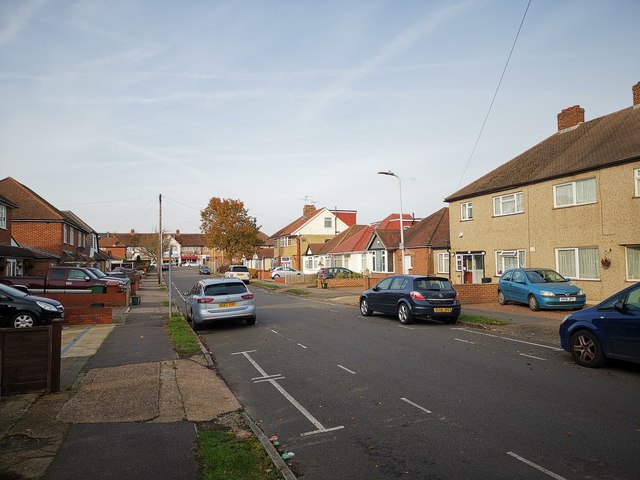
442	310
567	299
227	304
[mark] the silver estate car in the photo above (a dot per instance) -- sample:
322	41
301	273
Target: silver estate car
219	299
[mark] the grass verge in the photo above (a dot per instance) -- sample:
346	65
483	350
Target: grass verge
480	320
182	336
269	286
225	456
299	291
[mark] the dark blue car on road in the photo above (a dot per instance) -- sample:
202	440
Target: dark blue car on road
610	329
411	296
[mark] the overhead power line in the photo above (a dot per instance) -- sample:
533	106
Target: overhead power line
495	93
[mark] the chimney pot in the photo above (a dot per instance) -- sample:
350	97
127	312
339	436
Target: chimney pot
133	230
177	232
636	95
570	117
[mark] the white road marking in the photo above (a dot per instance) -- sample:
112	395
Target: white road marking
301	345
347	370
509	339
275	332
277	377
533	356
537	467
408	328
416	405
465	341
273	381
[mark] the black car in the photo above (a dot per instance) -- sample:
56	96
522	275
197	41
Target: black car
204	270
411	296
21	310
333	272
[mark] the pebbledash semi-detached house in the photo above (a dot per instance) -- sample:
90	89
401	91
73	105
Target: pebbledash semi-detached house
570	203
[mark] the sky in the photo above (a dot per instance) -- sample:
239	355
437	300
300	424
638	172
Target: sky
106	105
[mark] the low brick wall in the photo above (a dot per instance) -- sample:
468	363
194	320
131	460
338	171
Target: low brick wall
89	308
344	282
477	292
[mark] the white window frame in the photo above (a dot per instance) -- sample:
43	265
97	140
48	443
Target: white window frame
574	193
64	234
518	254
517	199
385	261
637	181
578	274
71	236
630	276
11	268
328	222
443	262
466	211
3	217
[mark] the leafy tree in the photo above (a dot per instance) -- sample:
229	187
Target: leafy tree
226	225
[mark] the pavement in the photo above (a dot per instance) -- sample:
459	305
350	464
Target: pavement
129	407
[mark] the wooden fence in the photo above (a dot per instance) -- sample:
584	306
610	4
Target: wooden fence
30	359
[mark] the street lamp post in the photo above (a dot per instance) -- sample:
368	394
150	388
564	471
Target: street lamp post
401	246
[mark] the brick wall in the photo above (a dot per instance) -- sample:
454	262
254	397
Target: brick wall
45	236
87	299
477	292
5	234
88	315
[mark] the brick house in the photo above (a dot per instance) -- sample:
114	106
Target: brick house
570	203
427	245
347	249
14	257
37	224
314	226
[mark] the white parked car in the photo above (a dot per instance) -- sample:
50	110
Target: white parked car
284	272
238	271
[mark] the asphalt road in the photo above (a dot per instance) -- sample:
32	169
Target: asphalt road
368	398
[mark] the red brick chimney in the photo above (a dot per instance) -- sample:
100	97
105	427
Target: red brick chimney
177	232
307	209
570	117
636	95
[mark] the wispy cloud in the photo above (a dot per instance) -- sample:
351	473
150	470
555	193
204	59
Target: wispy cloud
17	22
397	45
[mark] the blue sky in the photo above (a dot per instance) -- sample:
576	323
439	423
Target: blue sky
107	104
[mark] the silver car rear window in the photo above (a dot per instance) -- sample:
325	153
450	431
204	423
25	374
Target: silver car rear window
224	289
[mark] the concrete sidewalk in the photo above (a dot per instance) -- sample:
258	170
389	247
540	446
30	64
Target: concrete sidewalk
128	406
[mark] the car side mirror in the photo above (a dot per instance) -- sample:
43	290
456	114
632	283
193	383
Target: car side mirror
86	279
22	288
620	306
375	289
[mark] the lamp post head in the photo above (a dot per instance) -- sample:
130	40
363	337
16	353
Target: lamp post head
390	173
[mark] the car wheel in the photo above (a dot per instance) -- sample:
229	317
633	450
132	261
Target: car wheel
364	307
276	276
23	320
586	350
251	320
501	298
196	326
533	303
404	314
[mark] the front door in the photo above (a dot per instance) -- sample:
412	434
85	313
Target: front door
472	267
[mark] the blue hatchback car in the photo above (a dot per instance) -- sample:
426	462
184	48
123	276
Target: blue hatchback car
610	329
539	288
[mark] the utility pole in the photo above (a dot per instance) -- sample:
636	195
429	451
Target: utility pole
159	261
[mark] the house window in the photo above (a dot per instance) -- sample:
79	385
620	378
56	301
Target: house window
11	269
508	259
71	239
581	263
508	204
382	261
637	183
337	261
466	211
308	263
575	193
443	262
64	234
633	263
286	241
3	217
327	222
408	262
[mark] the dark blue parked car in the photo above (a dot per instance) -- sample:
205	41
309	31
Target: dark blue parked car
411	296
611	329
539	288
